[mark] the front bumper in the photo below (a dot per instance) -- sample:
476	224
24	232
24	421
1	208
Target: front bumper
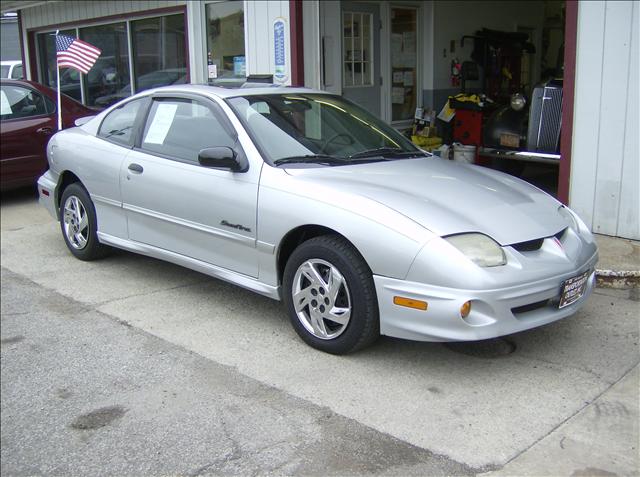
493	313
47	193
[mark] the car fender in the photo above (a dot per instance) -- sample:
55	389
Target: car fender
386	239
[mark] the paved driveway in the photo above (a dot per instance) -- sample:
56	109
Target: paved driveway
481	405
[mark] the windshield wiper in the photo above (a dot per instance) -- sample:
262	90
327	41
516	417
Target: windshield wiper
382	151
310	158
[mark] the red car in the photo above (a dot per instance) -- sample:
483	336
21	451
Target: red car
28	119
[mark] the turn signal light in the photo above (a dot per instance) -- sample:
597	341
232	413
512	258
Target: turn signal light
465	309
410	303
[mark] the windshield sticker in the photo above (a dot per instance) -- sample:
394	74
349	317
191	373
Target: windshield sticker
162	121
5	107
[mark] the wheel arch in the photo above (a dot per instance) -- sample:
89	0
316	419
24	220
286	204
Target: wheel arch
298	235
66	178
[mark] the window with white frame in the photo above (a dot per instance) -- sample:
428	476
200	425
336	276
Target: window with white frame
357	49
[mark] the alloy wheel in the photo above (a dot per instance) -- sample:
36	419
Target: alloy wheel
321	299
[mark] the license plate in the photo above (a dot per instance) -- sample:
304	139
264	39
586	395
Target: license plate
509	140
573	289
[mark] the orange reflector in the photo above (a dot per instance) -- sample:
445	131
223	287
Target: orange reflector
465	309
409	303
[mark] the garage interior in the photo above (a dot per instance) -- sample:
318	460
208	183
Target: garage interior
503	107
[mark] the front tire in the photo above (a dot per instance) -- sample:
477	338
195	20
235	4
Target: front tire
330	295
79	225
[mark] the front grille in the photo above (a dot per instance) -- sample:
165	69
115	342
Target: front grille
530	307
528	246
535	244
545	117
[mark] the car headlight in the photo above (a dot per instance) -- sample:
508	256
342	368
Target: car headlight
480	249
518	101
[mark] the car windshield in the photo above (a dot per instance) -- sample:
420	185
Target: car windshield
318	128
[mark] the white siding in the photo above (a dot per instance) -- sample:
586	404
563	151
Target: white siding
605	169
55	13
259	18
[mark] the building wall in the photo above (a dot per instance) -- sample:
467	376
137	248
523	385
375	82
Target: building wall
605	170
10	41
260	15
55	13
259	36
58	13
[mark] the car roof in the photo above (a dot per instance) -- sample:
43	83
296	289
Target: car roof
221	92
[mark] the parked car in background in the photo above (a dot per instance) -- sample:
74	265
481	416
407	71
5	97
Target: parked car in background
301	195
150	80
28	116
11	70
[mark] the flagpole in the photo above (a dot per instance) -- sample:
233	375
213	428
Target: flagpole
59	104
58	83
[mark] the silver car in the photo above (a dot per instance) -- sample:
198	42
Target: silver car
302	196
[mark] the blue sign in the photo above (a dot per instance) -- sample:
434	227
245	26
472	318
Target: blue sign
239	66
279	49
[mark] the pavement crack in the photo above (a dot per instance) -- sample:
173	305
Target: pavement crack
559	425
234	454
568	366
150	292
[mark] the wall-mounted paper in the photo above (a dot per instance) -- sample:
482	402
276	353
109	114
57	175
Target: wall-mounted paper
397	76
212	71
409	42
408	78
397	95
396	49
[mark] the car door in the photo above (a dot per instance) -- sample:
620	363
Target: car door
28	121
175	204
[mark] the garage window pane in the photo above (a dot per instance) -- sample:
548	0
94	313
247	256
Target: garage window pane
159	57
225	41
356	49
110	74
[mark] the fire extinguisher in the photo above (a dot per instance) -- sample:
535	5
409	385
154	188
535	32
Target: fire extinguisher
456	68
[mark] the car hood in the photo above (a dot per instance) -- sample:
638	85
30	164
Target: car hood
447	197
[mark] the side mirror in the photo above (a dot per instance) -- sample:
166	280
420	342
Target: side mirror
222	158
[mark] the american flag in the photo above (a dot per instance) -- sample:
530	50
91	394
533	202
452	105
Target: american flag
76	53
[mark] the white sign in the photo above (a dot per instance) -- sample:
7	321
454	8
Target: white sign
5	107
212	70
162	121
279	50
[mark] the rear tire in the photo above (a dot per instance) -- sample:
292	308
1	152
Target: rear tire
330	295
79	225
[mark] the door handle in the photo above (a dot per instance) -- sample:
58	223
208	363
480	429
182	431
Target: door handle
45	130
137	168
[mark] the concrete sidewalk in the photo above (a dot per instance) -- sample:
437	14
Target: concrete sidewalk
619	264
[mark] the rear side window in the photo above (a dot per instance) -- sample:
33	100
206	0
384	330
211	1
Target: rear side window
181	128
17	72
18	102
117	126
